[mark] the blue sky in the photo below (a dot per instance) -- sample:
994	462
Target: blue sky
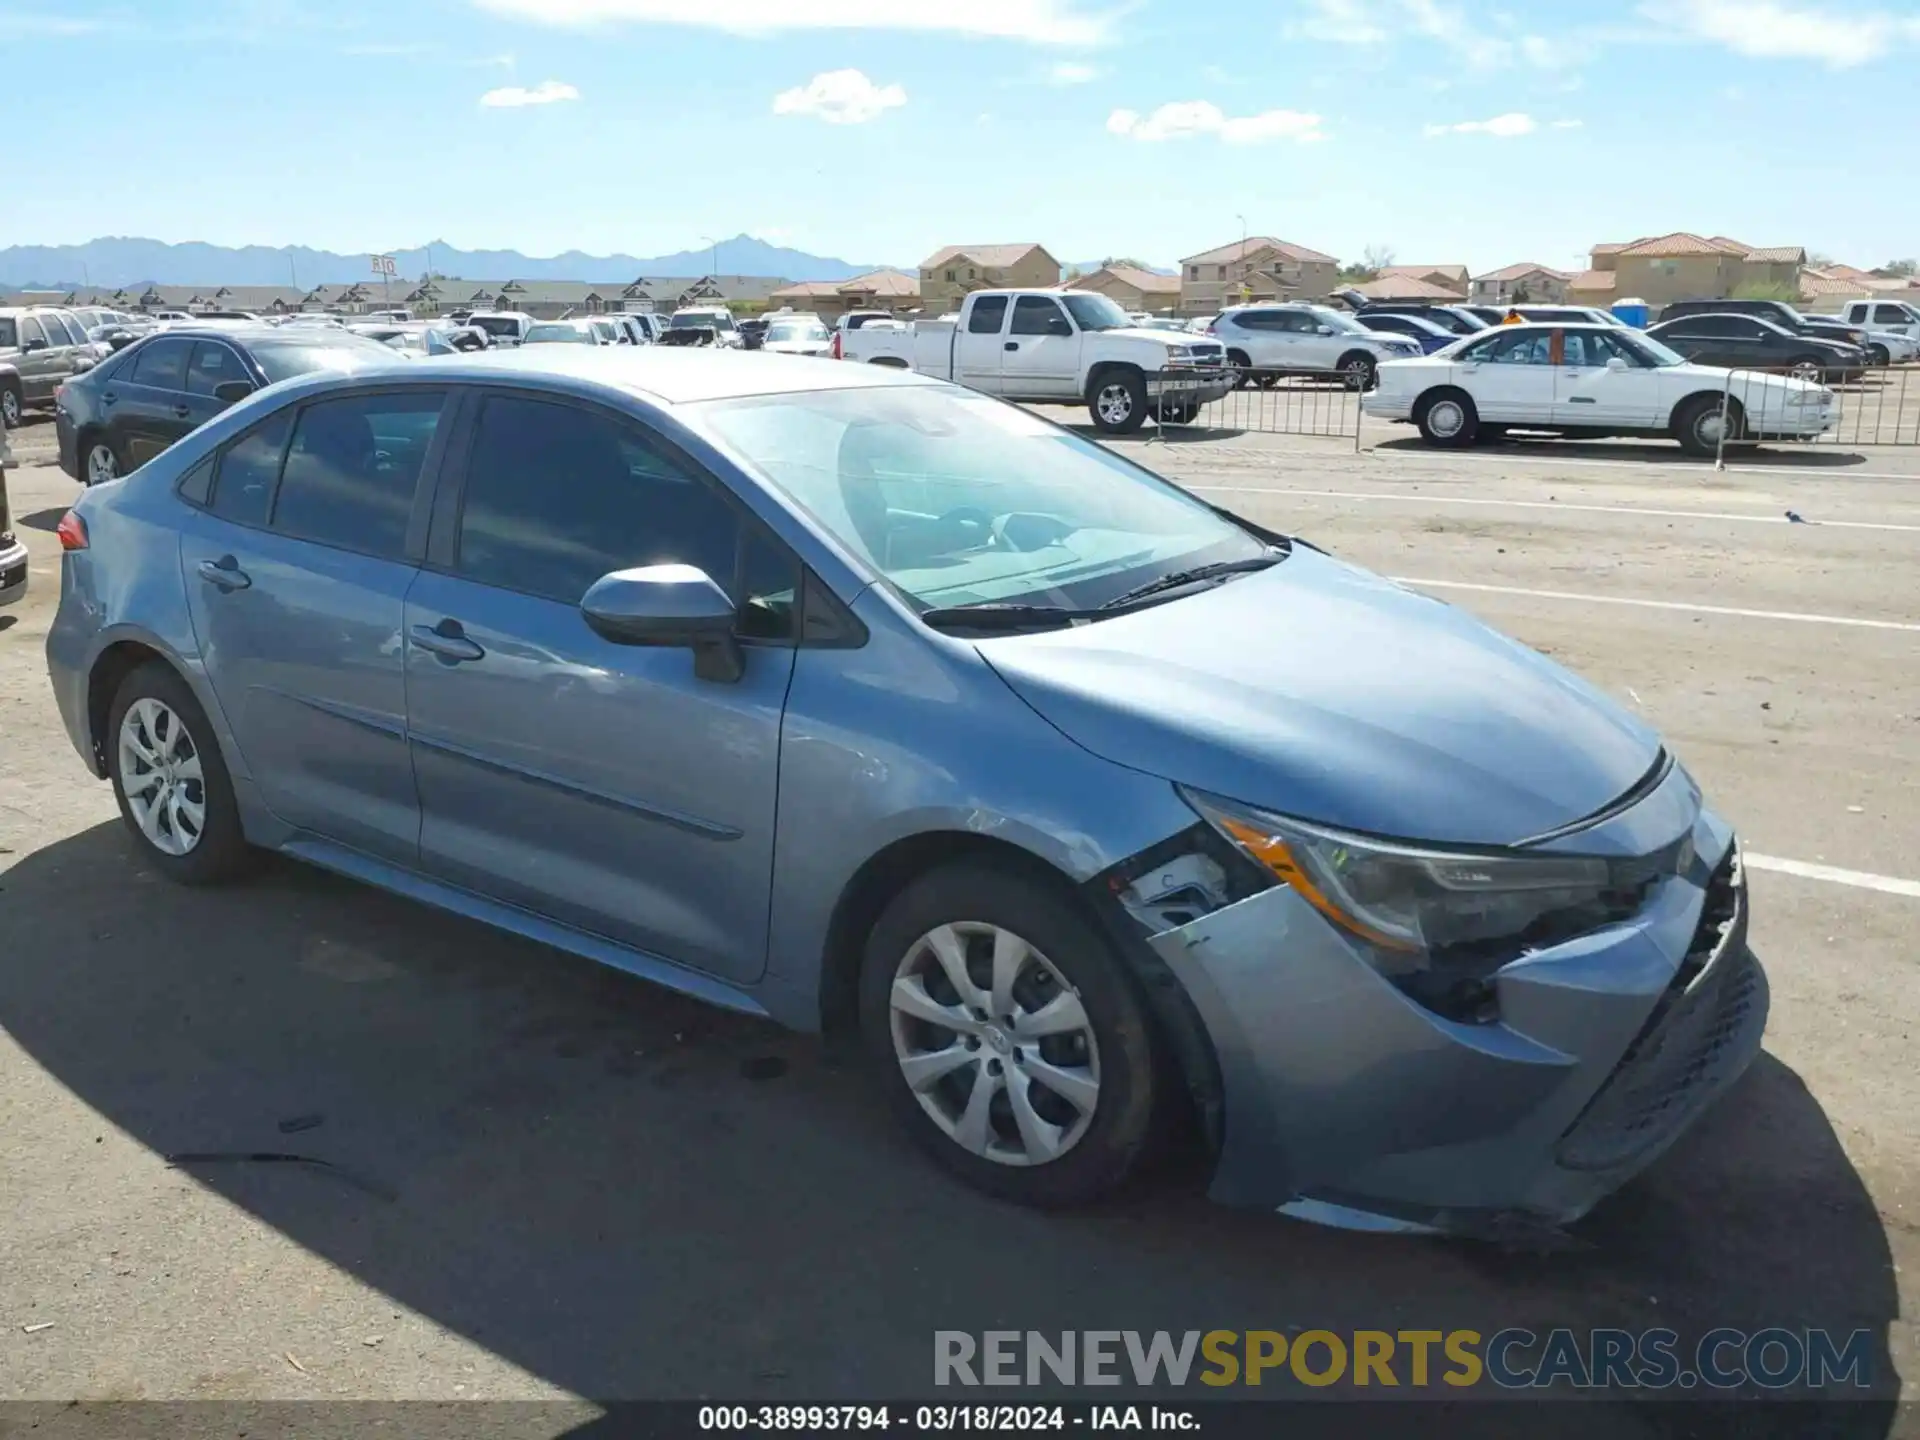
1476	131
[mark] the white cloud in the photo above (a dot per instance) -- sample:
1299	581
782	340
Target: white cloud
1073	72
840	97
1184	119
547	92
1046	22
1343	22
1435	23
1568	124
1773	30
1504	126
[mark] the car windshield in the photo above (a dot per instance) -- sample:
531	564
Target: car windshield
559	335
284	359
496	325
1338	321
958	499
792	331
1095	312
694	320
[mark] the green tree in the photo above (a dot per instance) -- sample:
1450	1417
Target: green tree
1898	270
1767	290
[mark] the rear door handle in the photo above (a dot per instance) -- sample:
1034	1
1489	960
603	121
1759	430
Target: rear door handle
184	412
225	573
109	398
447	640
1013	345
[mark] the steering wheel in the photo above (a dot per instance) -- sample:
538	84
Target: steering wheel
972	517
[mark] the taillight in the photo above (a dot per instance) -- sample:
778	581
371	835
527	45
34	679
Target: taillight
72	531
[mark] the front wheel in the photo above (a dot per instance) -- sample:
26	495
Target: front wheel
1700	426
1810	368
1448	419
9	407
1118	402
1358	372
1878	357
1007	1037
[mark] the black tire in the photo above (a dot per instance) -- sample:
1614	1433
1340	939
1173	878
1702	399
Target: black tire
1359	371
12	405
1447	418
1878	357
1117	400
221	851
1120	1131
83	447
1696	425
1178	414
1242	364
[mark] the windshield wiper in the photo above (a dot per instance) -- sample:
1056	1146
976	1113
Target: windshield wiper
994	615
1192	577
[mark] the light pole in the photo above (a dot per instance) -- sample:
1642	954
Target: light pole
715	272
1243	255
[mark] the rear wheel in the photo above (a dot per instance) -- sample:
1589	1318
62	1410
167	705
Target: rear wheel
170	780
1700	427
1447	418
1007	1037
1241	364
1117	401
98	463
10	406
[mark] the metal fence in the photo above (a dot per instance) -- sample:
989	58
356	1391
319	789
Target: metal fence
1859	408
1266	403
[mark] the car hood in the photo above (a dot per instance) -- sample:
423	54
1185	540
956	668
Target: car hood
1318	690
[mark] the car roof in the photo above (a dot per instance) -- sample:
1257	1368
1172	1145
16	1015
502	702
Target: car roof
667	376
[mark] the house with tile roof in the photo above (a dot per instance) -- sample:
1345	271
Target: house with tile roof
1520	283
1451	278
1258	268
1684	266
954	271
1407	287
1131	288
891	290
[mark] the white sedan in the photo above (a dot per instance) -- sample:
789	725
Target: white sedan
1588	381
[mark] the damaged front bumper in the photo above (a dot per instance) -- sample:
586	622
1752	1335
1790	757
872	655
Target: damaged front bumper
1347	1102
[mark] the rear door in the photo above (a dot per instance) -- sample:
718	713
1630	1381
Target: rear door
979	343
146	402
1511	376
297	574
1041	354
38	365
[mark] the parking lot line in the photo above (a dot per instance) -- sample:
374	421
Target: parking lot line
1549	505
1833	874
1793	615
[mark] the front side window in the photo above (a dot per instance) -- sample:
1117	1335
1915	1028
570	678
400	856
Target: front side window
989	313
1890	315
248	470
352	469
31	332
558	496
1036	315
212	366
162	364
1096	312
955	498
1523	347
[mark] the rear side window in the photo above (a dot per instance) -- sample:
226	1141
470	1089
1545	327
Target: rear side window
9	333
162	364
352	470
213	364
30	330
243	485
989	313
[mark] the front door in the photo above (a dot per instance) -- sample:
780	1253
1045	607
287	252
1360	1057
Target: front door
1511	376
979	344
297	575
38	364
604	786
1601	381
1041	357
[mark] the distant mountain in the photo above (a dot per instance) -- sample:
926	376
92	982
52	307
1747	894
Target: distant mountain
129	261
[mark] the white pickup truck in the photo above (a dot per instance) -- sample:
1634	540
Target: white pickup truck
1059	346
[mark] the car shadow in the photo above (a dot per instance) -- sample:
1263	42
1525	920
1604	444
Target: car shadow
1798	457
47	520
629	1195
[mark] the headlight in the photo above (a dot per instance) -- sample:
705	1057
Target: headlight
1416	908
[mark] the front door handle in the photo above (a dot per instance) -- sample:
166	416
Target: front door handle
109	398
225	573
1013	345
182	411
447	640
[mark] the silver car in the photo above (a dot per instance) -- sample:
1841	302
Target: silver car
1275	340
871	704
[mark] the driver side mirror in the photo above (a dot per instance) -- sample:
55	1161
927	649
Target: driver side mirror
668	607
1059	325
1323	329
229	392
30	346
1614	362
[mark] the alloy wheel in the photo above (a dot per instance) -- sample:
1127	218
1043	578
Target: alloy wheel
161	777
1115	403
10	409
995	1044
1808	370
101	466
1359	374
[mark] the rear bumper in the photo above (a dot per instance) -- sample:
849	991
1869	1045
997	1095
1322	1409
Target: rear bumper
1347	1102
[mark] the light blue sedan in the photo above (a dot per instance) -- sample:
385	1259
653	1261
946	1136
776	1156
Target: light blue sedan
873	705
